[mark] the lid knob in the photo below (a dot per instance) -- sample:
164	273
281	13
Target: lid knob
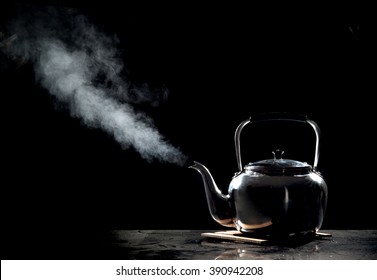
278	154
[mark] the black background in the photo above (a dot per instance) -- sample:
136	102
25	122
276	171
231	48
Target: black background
63	182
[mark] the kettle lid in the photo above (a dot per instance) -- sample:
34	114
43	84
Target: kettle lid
279	166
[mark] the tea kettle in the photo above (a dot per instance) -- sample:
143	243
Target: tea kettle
271	197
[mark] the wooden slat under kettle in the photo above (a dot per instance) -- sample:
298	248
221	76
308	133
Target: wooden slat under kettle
237	236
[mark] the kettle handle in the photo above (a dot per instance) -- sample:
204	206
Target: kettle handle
276	117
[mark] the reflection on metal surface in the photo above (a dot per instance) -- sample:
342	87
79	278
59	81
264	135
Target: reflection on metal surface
286	199
244	226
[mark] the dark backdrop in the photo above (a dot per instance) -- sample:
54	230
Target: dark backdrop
62	181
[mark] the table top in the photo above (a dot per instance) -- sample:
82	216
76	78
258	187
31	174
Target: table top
190	244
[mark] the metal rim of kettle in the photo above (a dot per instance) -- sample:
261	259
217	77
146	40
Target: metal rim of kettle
276	117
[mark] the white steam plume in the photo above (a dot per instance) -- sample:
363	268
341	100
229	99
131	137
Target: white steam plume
81	67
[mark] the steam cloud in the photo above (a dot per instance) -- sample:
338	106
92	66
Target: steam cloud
81	66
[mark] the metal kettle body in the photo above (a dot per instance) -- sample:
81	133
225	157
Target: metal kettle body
273	197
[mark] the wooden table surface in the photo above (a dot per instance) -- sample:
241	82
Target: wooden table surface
190	244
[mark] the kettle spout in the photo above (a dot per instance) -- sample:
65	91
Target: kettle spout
219	204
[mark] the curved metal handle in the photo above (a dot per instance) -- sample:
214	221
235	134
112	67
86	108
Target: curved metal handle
276	117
